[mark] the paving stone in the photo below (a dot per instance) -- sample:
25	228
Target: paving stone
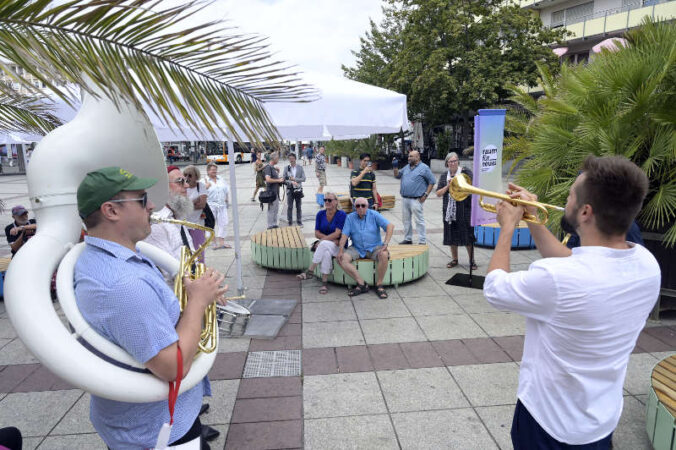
652	344
267	409
337	293
498	420
453	326
474	303
76	421
342	395
388	357
12	376
488	384
42	380
382	331
291	329
353	359
278	343
454	352
630	433
265	435
4	341
423	287
457	428
221	402
432	306
512	345
421	354
31	443
420	390
332	334
328	312
379	308
69	442
319	361
501	323
228	366
486	351
639	370
16	353
664	334
7	329
229	345
36	413
355	432
269	387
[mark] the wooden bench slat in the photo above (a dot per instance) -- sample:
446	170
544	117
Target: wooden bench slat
666	372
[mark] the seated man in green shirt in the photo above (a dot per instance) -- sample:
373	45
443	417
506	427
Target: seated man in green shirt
363	182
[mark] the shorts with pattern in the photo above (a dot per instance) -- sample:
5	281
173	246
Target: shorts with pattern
321	176
373	254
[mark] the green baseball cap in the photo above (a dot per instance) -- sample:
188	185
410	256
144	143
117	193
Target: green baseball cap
101	185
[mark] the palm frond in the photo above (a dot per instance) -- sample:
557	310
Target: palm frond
22	114
207	76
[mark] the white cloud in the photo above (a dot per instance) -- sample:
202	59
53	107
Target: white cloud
316	35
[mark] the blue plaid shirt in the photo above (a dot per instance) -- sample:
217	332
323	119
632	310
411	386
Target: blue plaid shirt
123	296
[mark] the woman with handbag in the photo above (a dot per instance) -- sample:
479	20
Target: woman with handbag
197	193
272	183
258	166
217	199
328	228
294	176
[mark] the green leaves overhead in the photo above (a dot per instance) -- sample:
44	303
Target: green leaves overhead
142	51
23	114
621	103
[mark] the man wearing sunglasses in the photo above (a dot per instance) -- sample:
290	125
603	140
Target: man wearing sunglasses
123	296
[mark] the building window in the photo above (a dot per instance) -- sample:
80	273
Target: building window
572	15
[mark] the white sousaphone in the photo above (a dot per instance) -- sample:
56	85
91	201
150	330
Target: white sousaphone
99	136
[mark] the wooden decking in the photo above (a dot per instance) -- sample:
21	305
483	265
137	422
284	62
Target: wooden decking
661	410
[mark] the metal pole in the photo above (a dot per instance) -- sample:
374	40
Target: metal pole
235	215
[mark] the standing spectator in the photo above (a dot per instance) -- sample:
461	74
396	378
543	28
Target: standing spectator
363	182
328	228
456	215
417	182
363	227
294	176
217	199
320	171
20	230
197	193
272	182
310	154
258	166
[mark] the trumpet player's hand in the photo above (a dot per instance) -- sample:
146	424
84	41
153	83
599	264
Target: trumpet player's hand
508	214
519	192
206	289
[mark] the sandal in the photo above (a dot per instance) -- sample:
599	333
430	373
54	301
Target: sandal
380	292
305	275
359	289
324	289
453	263
473	265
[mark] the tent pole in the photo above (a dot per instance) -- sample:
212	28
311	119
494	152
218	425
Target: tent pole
235	214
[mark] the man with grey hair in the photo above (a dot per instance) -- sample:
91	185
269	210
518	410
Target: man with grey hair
272	182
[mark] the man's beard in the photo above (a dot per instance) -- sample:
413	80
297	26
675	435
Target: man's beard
180	205
568	226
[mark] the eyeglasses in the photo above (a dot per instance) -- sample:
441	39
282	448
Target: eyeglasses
178	181
328	200
143	199
359	205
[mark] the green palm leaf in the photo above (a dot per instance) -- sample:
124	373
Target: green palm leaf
21	114
140	51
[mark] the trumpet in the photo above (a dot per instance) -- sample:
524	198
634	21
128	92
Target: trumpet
209	335
461	187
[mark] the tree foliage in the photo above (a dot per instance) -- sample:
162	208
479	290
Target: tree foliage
621	103
452	57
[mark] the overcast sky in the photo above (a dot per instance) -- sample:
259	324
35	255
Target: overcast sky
316	35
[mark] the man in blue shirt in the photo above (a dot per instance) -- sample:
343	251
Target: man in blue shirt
417	182
123	296
363	227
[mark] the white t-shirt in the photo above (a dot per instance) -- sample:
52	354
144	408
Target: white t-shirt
217	192
192	193
583	316
167	236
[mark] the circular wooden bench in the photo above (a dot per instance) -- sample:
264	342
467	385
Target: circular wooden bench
661	409
407	263
281	248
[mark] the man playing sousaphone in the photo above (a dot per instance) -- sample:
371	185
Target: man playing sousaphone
584	308
124	297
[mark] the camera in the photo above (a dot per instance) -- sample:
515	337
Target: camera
368	164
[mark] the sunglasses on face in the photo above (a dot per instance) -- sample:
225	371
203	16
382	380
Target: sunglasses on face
328	200
361	206
143	199
178	181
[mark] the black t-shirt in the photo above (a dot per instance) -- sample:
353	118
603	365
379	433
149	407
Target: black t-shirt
27	234
365	187
271	172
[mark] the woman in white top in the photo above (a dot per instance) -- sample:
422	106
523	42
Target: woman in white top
217	198
197	193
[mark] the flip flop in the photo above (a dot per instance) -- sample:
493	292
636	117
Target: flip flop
453	263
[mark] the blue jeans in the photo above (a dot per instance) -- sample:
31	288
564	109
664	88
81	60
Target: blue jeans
413	207
527	434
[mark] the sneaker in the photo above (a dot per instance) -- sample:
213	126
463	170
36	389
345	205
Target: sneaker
406	242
